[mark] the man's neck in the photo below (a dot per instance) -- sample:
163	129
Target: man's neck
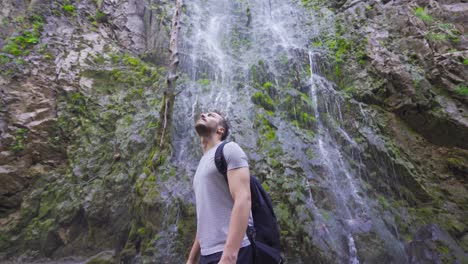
209	142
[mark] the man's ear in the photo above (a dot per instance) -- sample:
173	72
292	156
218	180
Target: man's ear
220	130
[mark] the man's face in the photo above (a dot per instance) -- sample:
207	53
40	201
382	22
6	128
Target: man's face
208	123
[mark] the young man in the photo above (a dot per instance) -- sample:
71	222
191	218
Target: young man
223	210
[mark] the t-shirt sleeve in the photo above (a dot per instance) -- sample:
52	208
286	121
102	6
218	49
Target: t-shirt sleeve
235	156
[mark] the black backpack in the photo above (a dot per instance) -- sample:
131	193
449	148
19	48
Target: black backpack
264	235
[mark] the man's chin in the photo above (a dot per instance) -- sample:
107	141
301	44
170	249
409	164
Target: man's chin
202	130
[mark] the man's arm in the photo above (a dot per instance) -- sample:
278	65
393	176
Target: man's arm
194	252
239	186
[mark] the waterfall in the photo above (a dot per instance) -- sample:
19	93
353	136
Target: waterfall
224	43
334	163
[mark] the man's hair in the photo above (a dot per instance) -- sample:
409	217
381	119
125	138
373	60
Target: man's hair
224	123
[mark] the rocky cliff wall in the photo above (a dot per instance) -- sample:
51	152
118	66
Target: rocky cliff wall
81	89
407	60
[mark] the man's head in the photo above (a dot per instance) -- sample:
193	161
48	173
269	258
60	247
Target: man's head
212	123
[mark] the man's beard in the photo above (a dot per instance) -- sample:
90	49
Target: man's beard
203	130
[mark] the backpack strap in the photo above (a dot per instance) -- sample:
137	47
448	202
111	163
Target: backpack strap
220	161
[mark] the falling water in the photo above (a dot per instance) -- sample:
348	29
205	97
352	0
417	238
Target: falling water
221	41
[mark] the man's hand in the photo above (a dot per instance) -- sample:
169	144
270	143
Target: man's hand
228	260
194	252
192	260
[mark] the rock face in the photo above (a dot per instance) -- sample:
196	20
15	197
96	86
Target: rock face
407	61
81	88
70	90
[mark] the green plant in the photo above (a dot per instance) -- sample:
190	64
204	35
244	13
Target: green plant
20	19
99	59
436	37
454	39
115	58
5	21
204	82
100	16
42	48
267	85
465	61
462	90
265	129
349	90
4	59
20	138
130	61
19	45
421	13
263	100
19	61
69	10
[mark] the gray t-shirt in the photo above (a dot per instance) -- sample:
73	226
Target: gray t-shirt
214	201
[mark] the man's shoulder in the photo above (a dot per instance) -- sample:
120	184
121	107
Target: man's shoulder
232	149
232	145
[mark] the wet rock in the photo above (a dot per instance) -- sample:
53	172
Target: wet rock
433	245
370	249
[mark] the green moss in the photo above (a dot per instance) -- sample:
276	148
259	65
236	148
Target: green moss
270	89
186	225
138	75
100	16
313	4
455	161
29	36
325	214
306	118
349	90
204	82
344	49
276	164
421	13
37	230
69	10
299	110
267	85
48	56
152	178
4	59
99	59
425	214
454	39
436	36
152	124
461	90
130	60
4	241
383	202
20	140
265	129
465	61
142	231
263	100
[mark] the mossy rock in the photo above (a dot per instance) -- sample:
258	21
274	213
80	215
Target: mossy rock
370	248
